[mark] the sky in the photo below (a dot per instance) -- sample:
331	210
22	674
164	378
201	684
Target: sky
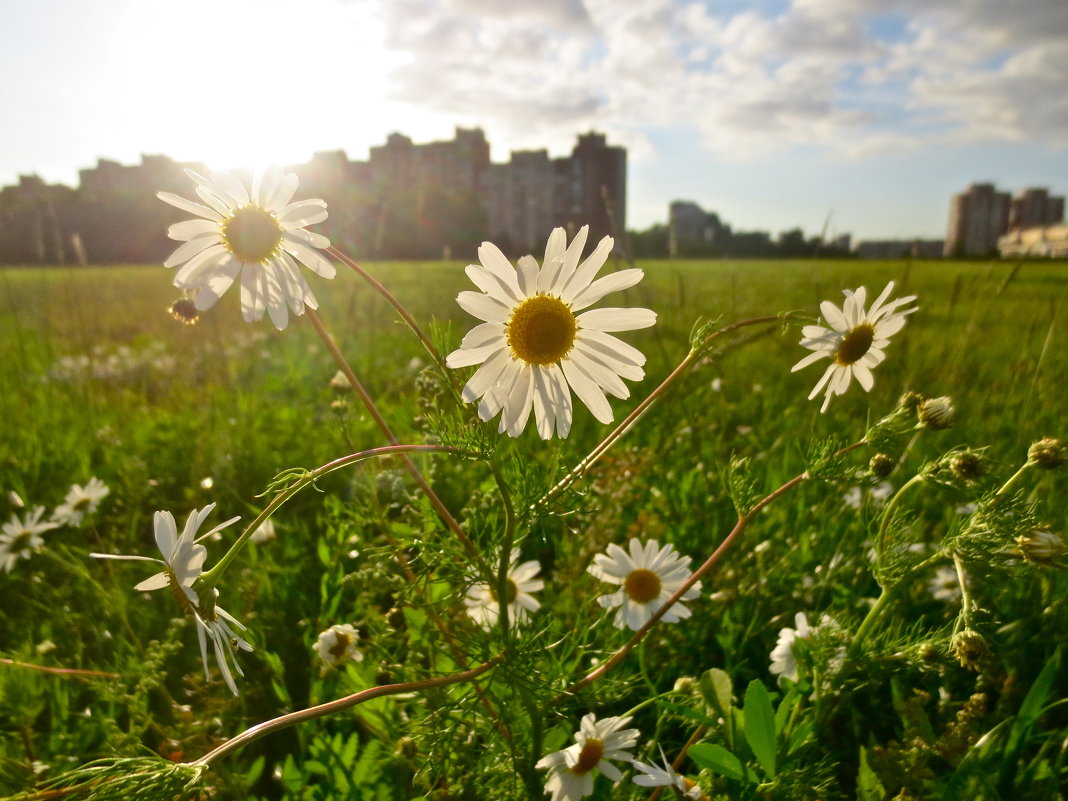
854	116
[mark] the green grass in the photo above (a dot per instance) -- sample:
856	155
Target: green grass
212	412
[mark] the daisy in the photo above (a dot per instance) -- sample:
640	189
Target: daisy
22	536
657	776
337	646
183	562
256	234
80	501
855	340
483	604
649	575
783	655
571	770
945	585
535	347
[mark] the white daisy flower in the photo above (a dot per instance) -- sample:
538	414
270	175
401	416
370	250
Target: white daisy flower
945	585
649	575
665	776
783	655
264	533
183	562
482	602
256	234
855	340
571	770
22	536
337	646
80	501
534	346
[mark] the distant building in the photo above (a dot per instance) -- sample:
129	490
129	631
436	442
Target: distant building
692	230
1034	208
1049	241
977	218
900	248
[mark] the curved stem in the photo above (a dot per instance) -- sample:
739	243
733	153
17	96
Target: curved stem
330	707
880	538
501	581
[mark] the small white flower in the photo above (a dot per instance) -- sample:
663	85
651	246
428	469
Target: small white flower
80	501
534	347
265	532
649	575
183	562
571	770
945	585
665	776
22	536
783	656
337	646
855	340
256	234
482	602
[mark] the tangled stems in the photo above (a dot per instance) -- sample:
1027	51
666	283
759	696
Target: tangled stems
330	707
579	470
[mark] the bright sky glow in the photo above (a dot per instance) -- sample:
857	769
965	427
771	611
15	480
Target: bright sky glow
774	114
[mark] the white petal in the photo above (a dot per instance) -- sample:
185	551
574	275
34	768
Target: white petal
519	403
486	376
834	316
615	282
610	319
493	284
303	212
190	206
620	368
864	376
544	413
190	274
310	238
582	280
569	263
212	287
830	371
613	346
310	257
189	229
265	184
484	334
156	582
605	378
188	250
465	357
498	265
528	275
588	391
232	186
483	307
253	294
561	400
810	359
283	193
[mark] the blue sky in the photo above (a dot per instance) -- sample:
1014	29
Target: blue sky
773	114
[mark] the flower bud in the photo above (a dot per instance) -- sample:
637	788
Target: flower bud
184	310
881	465
340	383
936	413
967	465
910	400
1041	546
686	684
969	648
1048	453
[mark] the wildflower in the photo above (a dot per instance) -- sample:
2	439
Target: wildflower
22	536
936	413
258	235
945	585
1041	547
572	769
80	501
665	776
969	648
1048	453
265	532
535	349
340	383
855	340
337	646
784	654
649	575
483	603
183	562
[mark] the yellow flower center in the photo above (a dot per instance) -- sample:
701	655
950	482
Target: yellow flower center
510	592
252	234
589	756
854	345
541	330
341	642
642	585
20	543
81	503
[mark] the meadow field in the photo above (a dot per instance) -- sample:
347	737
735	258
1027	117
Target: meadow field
933	579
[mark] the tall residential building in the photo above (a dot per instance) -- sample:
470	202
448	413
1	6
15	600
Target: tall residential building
1034	208
692	230
976	219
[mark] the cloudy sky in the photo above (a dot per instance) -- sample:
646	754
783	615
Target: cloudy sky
775	114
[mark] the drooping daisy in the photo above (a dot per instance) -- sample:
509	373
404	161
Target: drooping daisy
855	340
945	585
483	603
649	574
535	347
337	646
22	536
784	655
665	776
572	769
183	562
80	501
258	235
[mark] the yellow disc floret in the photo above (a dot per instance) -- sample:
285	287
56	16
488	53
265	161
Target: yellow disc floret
588	757
541	330
854	345
642	585
252	234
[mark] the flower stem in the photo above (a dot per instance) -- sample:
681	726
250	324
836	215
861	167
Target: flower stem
383	426
501	581
330	707
681	369
888	510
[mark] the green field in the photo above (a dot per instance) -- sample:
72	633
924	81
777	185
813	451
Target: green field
100	381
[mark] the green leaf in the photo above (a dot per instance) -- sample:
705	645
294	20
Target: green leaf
686	712
716	689
786	706
254	771
869	788
719	760
760	726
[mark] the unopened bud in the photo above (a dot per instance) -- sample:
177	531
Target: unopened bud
1048	453
1041	546
936	412
910	400
966	465
686	684
969	648
881	465
340	383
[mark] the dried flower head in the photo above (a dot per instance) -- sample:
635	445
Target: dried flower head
967	465
1041	546
970	649
1047	453
881	465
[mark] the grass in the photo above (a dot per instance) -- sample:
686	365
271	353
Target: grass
101	381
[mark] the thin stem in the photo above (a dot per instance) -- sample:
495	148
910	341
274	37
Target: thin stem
888	510
56	671
383	426
1014	478
689	361
966	606
330	707
506	552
